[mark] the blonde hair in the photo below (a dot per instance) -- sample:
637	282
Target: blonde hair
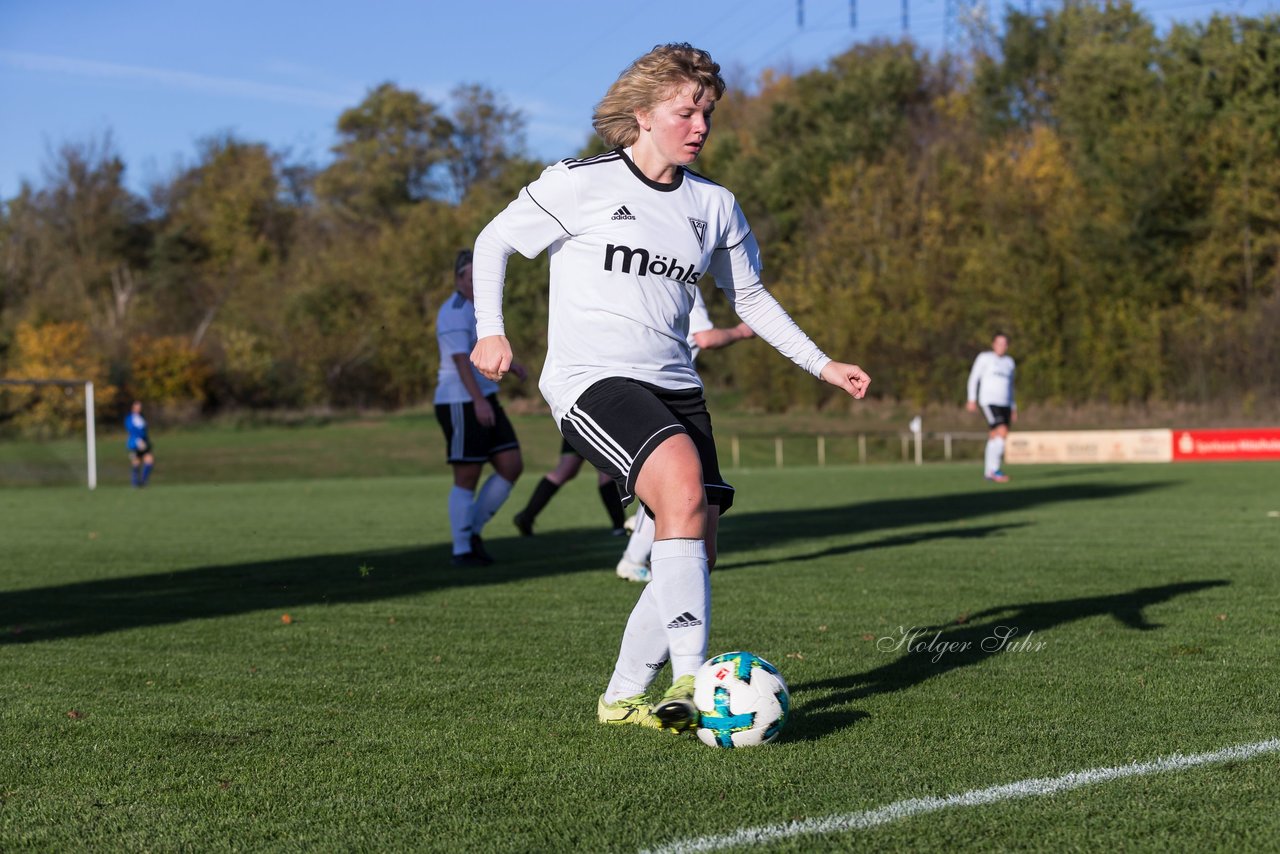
647	82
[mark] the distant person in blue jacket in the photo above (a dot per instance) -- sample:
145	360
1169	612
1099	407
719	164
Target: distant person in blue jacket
141	451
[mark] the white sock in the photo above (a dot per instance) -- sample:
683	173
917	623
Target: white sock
641	543
682	594
643	652
460	518
991	458
490	498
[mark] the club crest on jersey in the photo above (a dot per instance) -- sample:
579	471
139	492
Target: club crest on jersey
622	213
700	230
648	265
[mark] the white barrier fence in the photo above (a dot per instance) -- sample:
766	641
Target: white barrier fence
788	449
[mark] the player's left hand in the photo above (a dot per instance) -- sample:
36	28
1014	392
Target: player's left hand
851	378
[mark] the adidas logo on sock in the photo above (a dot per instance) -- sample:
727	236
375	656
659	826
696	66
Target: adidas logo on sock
684	621
622	213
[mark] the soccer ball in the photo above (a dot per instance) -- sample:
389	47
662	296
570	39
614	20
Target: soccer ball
742	700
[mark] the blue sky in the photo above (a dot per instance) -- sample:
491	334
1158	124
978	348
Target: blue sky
160	75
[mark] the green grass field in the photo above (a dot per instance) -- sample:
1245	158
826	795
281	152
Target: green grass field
409	443
152	697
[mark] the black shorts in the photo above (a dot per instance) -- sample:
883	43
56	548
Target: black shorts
617	423
997	415
138	453
466	440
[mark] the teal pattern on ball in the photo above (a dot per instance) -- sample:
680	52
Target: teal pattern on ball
743	663
722	722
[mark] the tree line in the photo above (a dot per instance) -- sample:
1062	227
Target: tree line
1108	196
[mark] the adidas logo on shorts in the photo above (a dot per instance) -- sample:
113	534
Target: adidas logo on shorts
622	213
684	621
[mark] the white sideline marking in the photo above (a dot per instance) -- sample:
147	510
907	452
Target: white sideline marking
916	806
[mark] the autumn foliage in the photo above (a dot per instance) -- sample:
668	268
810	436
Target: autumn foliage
1107	195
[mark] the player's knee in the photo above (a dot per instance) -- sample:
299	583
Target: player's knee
466	475
511	468
566	469
682	505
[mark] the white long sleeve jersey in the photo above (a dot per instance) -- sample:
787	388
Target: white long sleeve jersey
991	379
626	257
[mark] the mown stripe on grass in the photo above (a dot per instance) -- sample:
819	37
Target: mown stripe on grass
976	797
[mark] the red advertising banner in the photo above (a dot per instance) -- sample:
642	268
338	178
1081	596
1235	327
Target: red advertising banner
1247	444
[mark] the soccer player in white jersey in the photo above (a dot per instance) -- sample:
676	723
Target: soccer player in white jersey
991	390
703	335
701	328
475	427
629	234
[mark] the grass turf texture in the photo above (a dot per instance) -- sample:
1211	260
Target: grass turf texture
151	696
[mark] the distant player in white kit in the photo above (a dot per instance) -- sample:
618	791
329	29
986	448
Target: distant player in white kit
629	233
991	390
476	429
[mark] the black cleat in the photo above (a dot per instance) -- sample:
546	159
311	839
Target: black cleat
478	549
468	559
524	524
676	711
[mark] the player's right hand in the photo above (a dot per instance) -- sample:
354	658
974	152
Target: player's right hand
484	413
492	356
851	378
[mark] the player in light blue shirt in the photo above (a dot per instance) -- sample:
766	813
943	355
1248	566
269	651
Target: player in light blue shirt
141	452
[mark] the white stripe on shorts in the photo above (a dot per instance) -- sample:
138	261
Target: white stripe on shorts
592	433
459	431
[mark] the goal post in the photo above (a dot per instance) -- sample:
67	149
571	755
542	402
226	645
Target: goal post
90	431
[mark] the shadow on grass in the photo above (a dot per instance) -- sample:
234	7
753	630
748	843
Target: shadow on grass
759	530
896	541
95	607
925	652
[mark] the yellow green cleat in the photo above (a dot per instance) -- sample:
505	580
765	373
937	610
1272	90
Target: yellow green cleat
628	710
